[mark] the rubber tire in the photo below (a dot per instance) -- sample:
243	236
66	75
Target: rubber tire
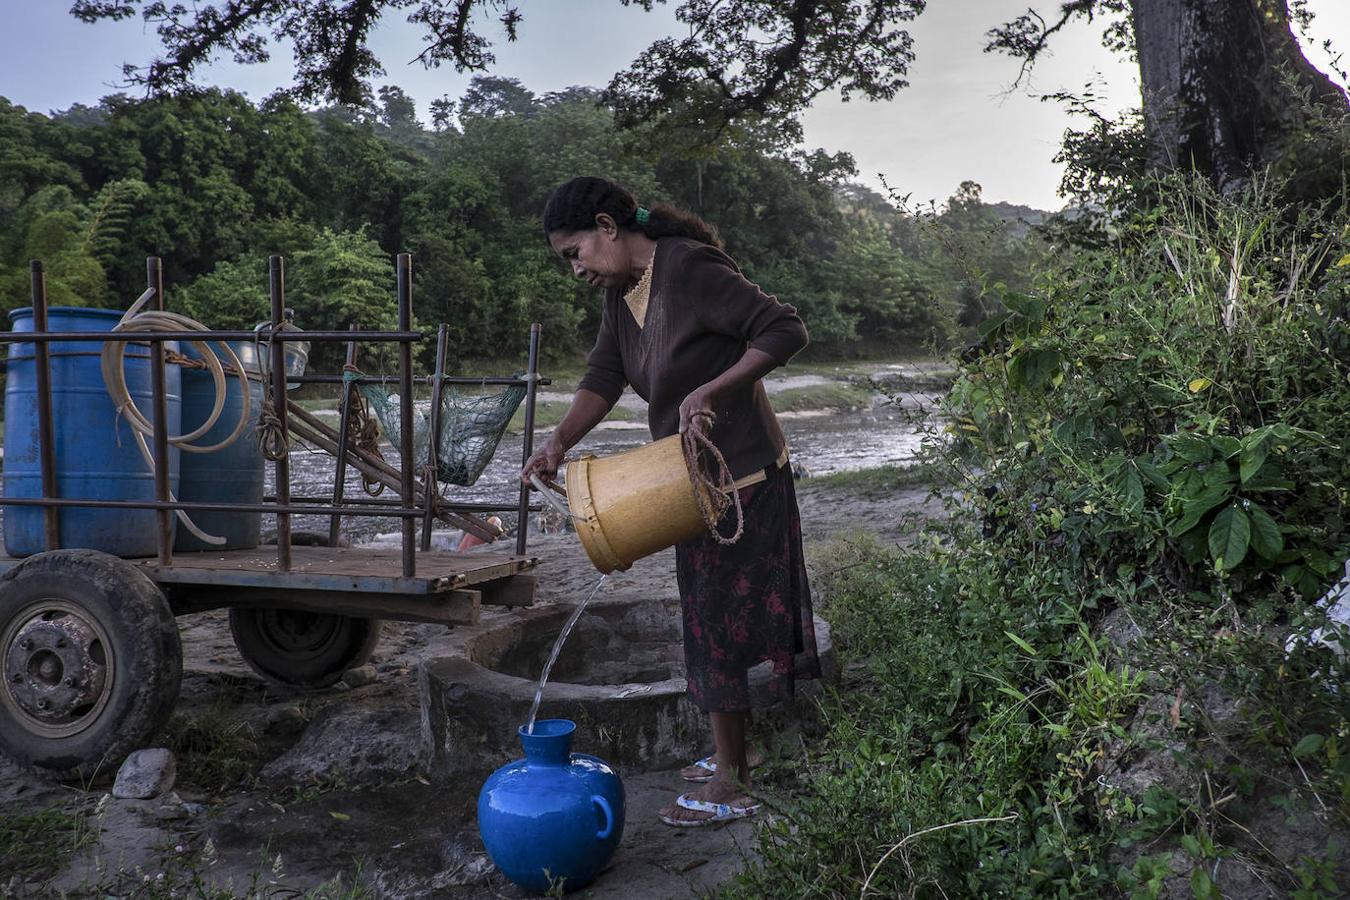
351	644
143	646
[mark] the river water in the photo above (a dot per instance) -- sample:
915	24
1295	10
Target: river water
888	433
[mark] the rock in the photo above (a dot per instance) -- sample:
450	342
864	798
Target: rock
170	808
1153	755
374	736
360	676
1120	629
288	719
478	868
145	774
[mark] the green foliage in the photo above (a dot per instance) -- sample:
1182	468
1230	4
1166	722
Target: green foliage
35	845
216	749
1156	430
213	184
1174	401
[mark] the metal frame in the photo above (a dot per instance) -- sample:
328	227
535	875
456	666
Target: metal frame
406	507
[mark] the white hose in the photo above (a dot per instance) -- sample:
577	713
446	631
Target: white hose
114	377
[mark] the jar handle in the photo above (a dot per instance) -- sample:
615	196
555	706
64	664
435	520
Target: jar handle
608	828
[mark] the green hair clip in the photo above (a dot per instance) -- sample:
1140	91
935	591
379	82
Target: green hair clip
642	215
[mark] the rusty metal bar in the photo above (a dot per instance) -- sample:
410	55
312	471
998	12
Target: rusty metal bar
340	478
95	336
159	450
312	430
433	441
276	282
405	409
531	376
297	509
504	380
51	519
441	505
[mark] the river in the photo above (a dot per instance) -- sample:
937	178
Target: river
823	442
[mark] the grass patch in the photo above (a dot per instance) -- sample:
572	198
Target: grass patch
878	479
548	413
216	750
189	871
839	395
35	845
836	367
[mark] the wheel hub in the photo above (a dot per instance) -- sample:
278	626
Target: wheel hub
55	667
299	633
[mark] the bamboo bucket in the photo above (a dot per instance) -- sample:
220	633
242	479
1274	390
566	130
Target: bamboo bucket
632	504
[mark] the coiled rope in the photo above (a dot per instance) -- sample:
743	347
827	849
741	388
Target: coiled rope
114	377
713	496
363	432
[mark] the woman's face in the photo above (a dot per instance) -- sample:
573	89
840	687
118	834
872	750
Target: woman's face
595	255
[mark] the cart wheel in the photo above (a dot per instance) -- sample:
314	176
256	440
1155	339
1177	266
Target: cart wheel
90	658
302	649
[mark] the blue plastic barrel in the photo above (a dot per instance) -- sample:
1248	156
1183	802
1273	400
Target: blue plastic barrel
232	474
96	453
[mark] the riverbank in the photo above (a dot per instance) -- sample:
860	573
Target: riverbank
271	782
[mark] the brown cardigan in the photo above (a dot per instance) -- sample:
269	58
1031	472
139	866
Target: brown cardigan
702	315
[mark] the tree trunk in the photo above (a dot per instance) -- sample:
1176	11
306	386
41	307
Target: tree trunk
1225	85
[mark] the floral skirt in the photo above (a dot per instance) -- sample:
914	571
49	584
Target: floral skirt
748	603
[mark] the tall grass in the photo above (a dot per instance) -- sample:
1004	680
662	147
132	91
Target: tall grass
1158	435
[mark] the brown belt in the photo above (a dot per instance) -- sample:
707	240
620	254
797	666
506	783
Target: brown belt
763	474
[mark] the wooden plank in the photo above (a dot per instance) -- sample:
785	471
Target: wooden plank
332	569
449	608
335	570
518	590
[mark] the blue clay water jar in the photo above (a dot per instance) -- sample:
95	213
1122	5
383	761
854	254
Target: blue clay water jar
554	816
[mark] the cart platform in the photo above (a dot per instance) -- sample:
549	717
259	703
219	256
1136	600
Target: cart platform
448	587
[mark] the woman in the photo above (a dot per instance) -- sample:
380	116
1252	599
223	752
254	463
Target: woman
693	337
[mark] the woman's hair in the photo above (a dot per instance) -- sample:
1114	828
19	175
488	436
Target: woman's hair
574	205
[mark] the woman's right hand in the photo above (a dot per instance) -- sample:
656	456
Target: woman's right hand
544	462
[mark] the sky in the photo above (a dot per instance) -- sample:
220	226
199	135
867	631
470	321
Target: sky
960	119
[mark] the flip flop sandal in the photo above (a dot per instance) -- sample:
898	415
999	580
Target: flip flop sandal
708	764
721	812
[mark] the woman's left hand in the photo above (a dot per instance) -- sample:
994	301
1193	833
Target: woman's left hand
697	411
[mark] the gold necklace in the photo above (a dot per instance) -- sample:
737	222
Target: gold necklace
638	295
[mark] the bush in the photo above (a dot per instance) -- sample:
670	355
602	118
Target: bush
1158	429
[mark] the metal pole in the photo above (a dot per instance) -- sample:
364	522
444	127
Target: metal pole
433	443
405	409
51	521
154	280
276	279
340	479
532	376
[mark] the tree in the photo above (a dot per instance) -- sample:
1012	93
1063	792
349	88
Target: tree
1226	90
737	58
1225	87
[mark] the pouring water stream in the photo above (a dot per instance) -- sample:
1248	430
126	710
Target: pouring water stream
557	646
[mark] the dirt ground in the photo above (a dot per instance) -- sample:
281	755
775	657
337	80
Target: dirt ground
333	795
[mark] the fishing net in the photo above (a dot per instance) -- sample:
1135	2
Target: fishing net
471	426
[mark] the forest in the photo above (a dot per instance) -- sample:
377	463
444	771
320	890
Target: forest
214	183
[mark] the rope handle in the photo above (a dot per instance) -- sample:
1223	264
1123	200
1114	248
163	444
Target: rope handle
721	493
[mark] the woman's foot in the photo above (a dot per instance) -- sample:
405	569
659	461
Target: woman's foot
722	800
701	772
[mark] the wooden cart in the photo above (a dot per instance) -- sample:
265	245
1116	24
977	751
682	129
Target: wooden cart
89	650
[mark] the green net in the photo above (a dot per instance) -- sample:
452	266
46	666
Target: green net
471	426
